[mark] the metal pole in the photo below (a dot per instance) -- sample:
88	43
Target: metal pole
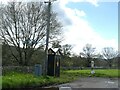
47	37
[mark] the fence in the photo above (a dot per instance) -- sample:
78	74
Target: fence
23	69
31	69
84	68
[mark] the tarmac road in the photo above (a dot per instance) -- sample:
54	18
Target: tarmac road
91	82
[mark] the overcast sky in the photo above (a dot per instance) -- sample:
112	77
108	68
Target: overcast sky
88	21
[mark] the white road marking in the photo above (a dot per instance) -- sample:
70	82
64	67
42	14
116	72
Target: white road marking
65	88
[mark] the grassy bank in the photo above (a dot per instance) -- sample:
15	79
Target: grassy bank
18	80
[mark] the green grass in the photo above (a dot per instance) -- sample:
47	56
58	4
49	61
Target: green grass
0	82
113	73
19	80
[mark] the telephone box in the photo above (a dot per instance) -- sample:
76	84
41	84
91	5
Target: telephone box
53	68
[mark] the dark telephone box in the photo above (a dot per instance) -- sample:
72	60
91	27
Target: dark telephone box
53	68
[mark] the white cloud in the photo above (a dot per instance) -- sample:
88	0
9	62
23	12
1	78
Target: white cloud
64	2
79	12
94	2
79	32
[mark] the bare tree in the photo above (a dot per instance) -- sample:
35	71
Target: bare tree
109	54
23	25
88	53
56	44
66	49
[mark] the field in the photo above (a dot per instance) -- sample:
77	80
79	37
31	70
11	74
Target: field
113	73
19	80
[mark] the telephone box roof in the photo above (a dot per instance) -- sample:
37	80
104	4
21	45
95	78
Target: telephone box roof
55	50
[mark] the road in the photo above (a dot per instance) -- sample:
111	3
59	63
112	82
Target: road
91	82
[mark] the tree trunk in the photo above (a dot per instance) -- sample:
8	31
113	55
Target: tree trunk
110	65
88	62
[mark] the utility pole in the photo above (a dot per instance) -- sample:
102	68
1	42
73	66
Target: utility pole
47	36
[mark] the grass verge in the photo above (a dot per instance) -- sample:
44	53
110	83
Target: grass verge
20	80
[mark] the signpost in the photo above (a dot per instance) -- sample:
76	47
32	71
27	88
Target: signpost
92	67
